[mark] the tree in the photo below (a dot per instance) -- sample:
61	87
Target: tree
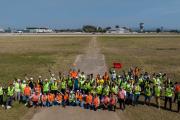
89	28
117	26
158	30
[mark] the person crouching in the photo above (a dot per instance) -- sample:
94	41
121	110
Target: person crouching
50	99
58	99
35	97
96	102
112	103
105	102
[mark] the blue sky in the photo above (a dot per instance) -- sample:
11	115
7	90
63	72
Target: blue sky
75	13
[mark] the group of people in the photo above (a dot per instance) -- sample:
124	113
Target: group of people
89	92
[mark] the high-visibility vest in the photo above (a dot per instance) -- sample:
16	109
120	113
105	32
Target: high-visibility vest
70	83
124	85
17	87
106	90
99	89
88	86
72	98
27	91
89	99
168	92
10	91
59	98
50	97
22	87
1	91
114	89
148	91
129	88
54	86
140	80
157	91
46	87
137	89
63	85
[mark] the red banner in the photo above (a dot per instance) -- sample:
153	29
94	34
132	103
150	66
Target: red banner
117	65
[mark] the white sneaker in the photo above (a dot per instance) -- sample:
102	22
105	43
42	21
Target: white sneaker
8	107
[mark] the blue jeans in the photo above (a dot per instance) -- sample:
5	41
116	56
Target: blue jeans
136	98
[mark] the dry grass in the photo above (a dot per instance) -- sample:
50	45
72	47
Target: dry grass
153	54
34	56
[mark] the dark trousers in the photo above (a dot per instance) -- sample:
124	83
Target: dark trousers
175	97
121	104
112	107
178	106
1	99
9	101
168	99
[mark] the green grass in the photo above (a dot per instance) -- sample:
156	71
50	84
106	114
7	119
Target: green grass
152	54
35	56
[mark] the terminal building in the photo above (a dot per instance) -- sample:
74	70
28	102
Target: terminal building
120	30
38	30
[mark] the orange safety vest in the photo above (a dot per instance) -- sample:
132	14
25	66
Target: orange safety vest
80	98
89	99
59	98
38	89
73	74
177	88
51	97
27	91
66	96
96	102
106	77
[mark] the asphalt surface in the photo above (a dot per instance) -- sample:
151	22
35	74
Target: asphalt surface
90	62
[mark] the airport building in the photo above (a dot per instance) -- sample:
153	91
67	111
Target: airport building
38	30
2	30
121	30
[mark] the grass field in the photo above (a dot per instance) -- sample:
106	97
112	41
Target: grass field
35	56
152	54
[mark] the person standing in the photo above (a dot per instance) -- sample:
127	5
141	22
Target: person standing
121	98
148	94
10	95
17	89
137	92
1	94
157	94
168	96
